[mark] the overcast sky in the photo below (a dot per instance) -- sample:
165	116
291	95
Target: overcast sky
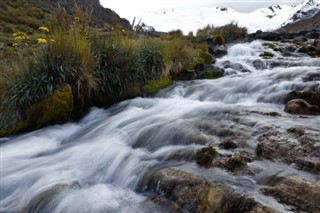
121	6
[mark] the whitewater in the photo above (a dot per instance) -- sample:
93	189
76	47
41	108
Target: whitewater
95	165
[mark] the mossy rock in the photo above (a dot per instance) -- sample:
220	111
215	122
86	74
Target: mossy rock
235	162
56	109
153	86
270	45
266	54
205	156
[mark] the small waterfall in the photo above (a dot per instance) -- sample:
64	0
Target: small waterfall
96	164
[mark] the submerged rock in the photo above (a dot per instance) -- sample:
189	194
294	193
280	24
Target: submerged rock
259	64
301	194
185	192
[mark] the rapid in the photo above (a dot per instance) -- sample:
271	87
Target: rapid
96	165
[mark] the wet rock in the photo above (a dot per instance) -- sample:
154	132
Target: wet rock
313	35
312	98
244	70
263	209
228	144
268	36
259	64
220	51
300	39
41	203
190	193
185	154
301	107
301	151
210	71
312	76
301	194
205	156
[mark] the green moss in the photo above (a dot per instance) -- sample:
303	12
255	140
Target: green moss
55	109
266	54
235	162
205	156
270	45
206	56
218	39
153	86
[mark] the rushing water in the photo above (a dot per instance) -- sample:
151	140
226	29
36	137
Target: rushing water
95	165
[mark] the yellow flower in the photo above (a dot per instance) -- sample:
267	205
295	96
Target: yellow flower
20	36
41	40
15	44
43	29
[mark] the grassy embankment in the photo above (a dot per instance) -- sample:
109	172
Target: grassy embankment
55	65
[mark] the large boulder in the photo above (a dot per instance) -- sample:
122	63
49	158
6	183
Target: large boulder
185	192
301	107
301	194
292	147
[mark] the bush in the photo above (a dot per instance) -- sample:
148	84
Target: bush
149	65
230	32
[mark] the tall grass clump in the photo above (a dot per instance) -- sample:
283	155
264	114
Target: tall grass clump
230	32
148	65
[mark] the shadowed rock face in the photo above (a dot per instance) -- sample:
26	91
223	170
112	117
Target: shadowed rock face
100	15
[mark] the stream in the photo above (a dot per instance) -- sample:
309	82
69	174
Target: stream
96	164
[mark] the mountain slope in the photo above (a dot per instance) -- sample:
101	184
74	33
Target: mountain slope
305	24
27	16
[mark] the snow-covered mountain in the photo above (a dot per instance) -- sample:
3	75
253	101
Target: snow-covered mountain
305	10
191	19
